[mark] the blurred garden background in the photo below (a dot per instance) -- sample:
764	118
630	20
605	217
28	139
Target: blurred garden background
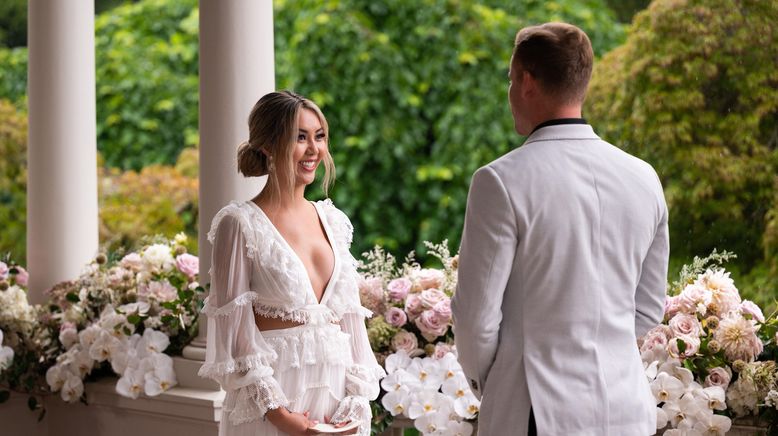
415	92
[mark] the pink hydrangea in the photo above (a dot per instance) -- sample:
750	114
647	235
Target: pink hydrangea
189	265
441	349
398	288
160	291
371	292
396	317
132	262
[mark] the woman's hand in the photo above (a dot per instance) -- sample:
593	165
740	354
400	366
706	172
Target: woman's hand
291	423
342	424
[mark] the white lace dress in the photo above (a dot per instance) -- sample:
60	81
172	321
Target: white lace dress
325	366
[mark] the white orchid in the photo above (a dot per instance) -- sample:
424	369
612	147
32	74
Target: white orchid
80	362
449	366
132	383
161	378
459	428
427	402
432	424
104	347
661	418
684	410
397	380
68	337
124	359
88	336
666	388
466	405
651	370
6	354
715	396
713	425
72	388
56	376
427	373
398	360
155	341
397	401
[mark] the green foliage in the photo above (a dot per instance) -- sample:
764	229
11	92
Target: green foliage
13	180
13	75
702	107
626	9
416	98
13	23
147	84
156	200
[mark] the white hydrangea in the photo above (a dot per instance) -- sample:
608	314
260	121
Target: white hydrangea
158	258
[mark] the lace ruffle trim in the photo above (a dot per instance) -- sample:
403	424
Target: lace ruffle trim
354	408
241	300
302	315
214	370
326	345
236	209
253	401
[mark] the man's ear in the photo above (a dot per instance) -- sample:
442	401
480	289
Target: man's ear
529	86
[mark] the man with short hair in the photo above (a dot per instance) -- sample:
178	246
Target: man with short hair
563	261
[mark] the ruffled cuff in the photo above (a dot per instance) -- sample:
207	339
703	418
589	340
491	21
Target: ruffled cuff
357	409
252	402
363	381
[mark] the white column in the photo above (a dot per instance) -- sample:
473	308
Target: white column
236	69
62	220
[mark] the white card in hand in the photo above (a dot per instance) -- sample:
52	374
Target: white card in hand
329	428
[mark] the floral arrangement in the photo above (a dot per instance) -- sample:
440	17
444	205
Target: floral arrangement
713	357
412	337
123	315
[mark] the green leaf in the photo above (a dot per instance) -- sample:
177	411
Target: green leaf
134	319
72	297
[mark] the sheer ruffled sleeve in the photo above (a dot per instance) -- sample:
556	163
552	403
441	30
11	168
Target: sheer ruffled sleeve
362	378
237	356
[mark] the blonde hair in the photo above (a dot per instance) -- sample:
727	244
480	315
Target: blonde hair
273	125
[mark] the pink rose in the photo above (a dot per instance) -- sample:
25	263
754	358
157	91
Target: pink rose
749	308
396	317
3	271
399	288
431	297
132	262
718	377
429	278
672	306
692	346
685	325
413	306
405	341
653	340
188	264
22	277
442	310
691	296
441	349
430	325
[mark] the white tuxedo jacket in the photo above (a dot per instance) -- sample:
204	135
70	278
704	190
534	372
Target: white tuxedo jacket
563	263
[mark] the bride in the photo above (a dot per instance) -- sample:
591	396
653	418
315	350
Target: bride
286	332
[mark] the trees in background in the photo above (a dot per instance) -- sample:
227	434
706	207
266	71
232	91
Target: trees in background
694	91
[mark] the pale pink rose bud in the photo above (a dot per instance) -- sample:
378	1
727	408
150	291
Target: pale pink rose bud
405	341
431	297
396	317
749	308
413	306
398	288
718	377
188	264
430	326
429	278
22	277
442	310
441	349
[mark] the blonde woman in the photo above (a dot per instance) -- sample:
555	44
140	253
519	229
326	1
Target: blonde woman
286	332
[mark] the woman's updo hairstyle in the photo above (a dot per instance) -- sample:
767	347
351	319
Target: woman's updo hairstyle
272	135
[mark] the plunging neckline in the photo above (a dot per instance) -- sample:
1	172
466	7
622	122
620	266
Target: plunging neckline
328	233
